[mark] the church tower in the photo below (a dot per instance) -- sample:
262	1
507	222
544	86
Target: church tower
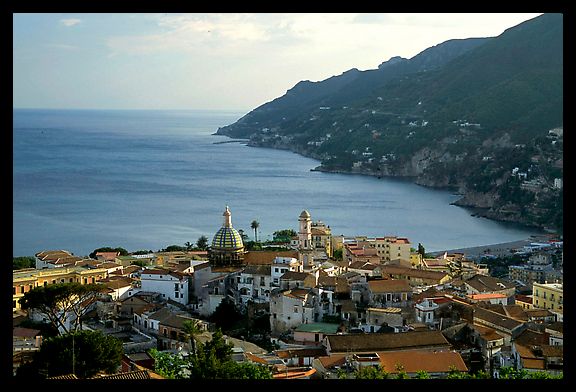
305	240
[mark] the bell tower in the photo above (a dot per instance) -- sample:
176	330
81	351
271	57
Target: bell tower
305	240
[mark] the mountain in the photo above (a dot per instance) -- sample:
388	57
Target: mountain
467	115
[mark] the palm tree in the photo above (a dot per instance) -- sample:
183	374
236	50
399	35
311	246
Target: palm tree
191	329
254	225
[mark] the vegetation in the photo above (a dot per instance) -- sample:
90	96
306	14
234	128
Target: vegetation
254	225
23	262
122	251
283	235
202	242
212	360
477	108
83	353
58	301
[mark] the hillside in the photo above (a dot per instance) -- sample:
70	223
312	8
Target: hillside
481	116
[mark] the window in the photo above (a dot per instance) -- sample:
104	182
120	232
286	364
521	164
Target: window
295	309
176	287
262	282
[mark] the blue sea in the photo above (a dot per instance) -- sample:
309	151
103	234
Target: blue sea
144	180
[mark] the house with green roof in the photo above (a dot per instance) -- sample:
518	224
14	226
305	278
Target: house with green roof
313	333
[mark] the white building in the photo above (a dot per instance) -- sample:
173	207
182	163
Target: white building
254	284
281	265
377	317
425	311
290	308
172	285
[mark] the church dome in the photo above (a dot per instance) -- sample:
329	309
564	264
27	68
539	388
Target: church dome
227	239
305	214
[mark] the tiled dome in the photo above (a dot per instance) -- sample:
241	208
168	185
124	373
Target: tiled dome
227	238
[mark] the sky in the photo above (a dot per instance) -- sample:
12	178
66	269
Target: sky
228	61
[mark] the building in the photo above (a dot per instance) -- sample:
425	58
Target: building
171	284
305	245
377	318
27	279
548	296
55	259
389	293
227	246
291	308
321	237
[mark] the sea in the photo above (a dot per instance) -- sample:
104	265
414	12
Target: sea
148	179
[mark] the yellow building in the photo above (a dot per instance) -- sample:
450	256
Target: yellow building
26	279
392	248
548	296
322	237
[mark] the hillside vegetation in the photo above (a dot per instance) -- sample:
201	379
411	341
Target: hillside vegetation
481	116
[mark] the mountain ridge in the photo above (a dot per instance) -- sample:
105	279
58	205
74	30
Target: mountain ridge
453	116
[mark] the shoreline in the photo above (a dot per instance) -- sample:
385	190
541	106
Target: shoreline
498	249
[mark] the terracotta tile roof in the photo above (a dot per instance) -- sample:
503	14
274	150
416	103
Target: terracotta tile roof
133	375
494	318
297	293
267	257
290	373
301	352
414	360
483	283
332	360
413	272
486	296
52	254
389	286
257	269
295	275
364	265
486	333
386	341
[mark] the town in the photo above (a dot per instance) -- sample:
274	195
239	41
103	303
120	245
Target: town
312	306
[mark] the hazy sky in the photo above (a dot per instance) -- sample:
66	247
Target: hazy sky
213	61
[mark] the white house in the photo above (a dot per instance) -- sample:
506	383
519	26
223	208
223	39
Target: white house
280	265
291	308
377	317
172	285
425	311
254	283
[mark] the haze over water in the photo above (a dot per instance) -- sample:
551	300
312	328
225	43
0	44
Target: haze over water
84	179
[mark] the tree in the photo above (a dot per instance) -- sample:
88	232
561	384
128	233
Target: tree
283	235
83	353
58	301
225	315
188	245
23	262
122	251
192	328
213	360
371	373
421	250
202	242
254	225
172	366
